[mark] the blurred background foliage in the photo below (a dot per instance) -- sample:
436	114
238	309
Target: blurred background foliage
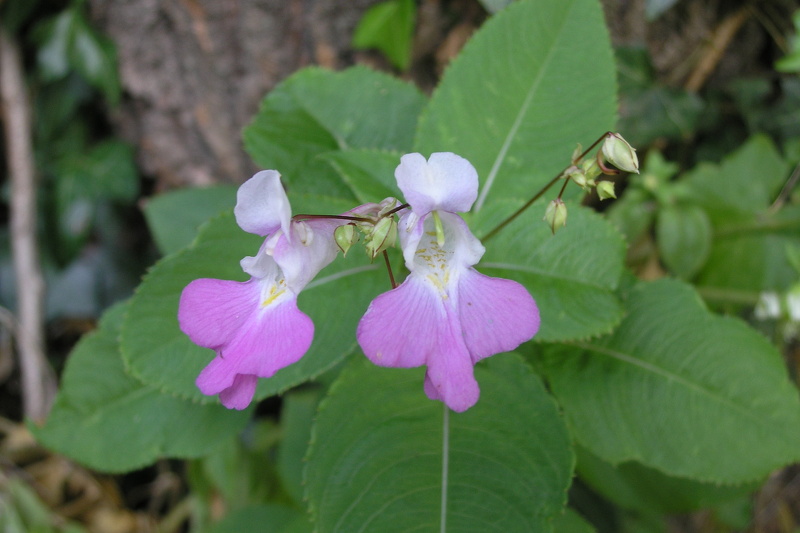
709	94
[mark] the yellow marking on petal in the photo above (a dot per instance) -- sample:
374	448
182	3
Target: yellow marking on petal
438	284
273	295
437	221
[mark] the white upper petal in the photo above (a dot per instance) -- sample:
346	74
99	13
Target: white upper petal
424	256
311	249
445	182
261	204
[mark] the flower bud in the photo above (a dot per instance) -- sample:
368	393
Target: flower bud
620	154
605	190
345	237
556	215
382	236
386	205
579	179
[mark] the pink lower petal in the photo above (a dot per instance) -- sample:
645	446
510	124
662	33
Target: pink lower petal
414	325
400	327
268	340
450	376
497	315
239	395
210	310
271	339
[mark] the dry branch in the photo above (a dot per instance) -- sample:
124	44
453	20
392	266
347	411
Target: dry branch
38	382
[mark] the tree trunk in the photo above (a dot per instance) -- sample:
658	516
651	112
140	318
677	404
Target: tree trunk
194	71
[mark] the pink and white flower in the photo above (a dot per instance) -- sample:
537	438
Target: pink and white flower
255	326
445	315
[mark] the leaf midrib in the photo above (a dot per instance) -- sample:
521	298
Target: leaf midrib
668	375
490	178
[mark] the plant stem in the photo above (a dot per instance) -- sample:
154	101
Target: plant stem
445	466
331	217
541	192
389	269
396	209
38	380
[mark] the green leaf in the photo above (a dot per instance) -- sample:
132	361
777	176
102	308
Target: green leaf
264	519
654	8
297	417
750	239
493	6
536	79
15	13
791	62
317	111
106	171
376	459
750	254
746	181
683	235
241	471
368	173
679	389
572	275
389	27
53	38
22	511
632	214
109	421
95	57
671	113
571	522
638	488
68	42
173	217
158	353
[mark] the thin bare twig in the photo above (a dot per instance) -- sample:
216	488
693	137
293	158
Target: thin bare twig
38	381
715	48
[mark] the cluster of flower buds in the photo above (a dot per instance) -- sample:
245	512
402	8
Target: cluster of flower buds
584	173
379	230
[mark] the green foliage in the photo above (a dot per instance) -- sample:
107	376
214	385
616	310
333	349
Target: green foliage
675	386
671	113
111	422
316	111
264	519
297	415
654	8
716	224
68	42
389	27
493	6
647	491
573	275
102	173
684	237
174	217
376	456
21	511
571	522
511	102
791	62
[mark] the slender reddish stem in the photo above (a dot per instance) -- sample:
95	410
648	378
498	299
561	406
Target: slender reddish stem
389	269
541	192
332	217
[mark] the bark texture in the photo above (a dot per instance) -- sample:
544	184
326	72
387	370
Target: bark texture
194	71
